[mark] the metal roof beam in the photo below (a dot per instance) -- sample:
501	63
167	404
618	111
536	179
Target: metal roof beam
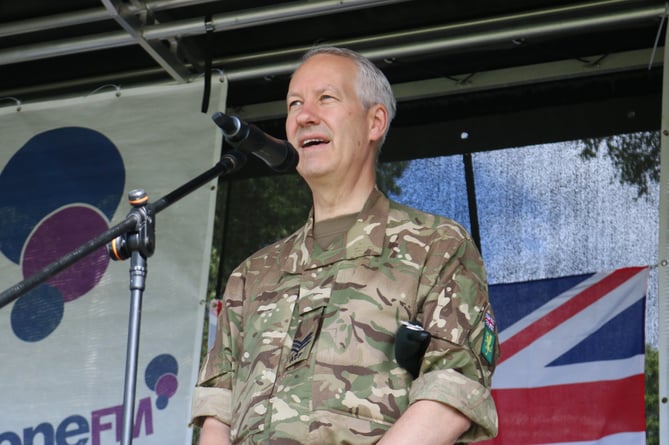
459	36
182	28
465	83
465	34
506	29
155	48
87	16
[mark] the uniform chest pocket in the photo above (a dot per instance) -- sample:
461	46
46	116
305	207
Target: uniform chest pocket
306	334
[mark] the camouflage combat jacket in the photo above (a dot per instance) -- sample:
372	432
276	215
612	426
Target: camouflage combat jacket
304	345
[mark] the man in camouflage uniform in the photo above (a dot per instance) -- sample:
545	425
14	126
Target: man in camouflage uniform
304	350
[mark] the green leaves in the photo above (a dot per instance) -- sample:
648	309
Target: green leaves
635	155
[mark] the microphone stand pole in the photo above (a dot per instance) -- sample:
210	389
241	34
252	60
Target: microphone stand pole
133	238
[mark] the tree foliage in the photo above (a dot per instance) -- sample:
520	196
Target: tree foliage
636	156
652	397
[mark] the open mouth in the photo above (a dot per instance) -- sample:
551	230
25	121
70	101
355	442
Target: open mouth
314	142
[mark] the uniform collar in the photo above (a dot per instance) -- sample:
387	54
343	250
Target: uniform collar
364	238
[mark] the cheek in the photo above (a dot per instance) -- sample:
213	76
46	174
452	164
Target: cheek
290	130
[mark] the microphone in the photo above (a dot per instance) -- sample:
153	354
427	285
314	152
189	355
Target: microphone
277	154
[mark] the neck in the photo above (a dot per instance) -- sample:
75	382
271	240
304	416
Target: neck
333	202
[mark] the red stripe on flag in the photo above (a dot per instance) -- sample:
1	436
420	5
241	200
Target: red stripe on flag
562	313
569	413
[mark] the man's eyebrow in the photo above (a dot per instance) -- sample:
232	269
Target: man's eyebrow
319	90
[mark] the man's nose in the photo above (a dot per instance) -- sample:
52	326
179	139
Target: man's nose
307	115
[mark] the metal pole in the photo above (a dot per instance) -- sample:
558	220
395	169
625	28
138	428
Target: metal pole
138	267
471	200
663	270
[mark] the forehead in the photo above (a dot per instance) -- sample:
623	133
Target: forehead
322	71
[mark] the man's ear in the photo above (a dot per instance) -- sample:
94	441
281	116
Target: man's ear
378	116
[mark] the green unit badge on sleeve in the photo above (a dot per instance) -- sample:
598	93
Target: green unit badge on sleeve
489	337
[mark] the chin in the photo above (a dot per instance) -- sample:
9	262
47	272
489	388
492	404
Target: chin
312	171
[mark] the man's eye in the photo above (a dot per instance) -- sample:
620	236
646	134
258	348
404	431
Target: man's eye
294	103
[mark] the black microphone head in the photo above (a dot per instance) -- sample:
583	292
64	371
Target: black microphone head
229	124
278	154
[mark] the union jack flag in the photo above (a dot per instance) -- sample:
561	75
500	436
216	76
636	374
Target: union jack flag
572	364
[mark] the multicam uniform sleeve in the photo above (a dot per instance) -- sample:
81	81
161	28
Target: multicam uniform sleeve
213	392
454	308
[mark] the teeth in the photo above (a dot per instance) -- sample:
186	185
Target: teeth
309	142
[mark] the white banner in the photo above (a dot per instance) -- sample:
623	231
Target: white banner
67	168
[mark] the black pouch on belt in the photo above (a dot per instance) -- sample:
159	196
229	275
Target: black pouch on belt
411	342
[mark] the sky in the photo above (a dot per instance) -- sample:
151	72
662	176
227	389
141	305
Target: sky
544	212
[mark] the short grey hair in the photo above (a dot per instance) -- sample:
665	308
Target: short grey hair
372	86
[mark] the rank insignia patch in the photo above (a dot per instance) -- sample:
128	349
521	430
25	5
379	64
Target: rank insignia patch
300	348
